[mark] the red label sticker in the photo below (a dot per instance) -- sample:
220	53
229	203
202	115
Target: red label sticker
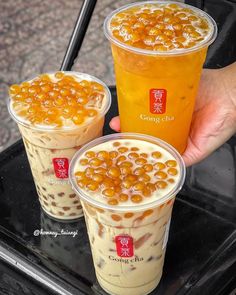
124	246
158	101
61	166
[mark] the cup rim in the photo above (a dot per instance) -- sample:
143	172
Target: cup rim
134	208
205	43
84	76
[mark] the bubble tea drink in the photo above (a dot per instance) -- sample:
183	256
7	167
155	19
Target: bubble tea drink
56	114
127	184
159	48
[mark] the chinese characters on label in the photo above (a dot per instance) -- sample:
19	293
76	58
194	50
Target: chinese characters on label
158	101
61	166
124	246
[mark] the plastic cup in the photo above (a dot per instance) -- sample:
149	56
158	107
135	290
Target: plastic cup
141	228
157	89
49	151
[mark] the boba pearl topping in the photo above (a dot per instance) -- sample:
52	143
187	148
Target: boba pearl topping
57	100
159	27
125	172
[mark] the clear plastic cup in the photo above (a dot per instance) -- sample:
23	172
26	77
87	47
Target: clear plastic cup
49	151
157	89
142	227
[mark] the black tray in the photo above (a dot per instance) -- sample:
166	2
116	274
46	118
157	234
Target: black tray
201	252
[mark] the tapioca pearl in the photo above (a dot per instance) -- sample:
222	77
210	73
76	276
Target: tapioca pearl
113	202
120	159
92	186
159	166
147	213
101	170
66	208
84	162
90	154
140	161
104	155
151	186
76	202
139	186
116	217
88	172
156	155
172	171
125	170
139	171
61	194
108	183
95	162
100	210
113	172
123	149
53	204
170	202
148	167
61	213
144	177
134	149
171	180
133	155
113	154
146	192
125	164
72	214
127	184
109	192
71	196
161	175
97	177
136	198
128	215
79	174
123	197
79	207
161	184
116	144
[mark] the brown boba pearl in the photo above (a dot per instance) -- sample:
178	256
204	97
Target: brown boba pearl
159	166
109	192
134	149
161	184
83	162
140	161
147	212
131	177
171	163
92	186
139	171
171	180
172	171
89	171
144	155
90	154
114	172
113	202
156	155
144	177
161	175
128	215
123	149
79	174
103	155
113	154
136	198
148	167
116	217
126	164
95	162
139	186
133	155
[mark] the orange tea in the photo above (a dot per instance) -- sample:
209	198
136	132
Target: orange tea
159	49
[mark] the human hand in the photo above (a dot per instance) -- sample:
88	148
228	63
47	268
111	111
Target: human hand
214	117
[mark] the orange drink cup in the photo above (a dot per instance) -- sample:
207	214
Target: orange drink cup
56	114
127	184
158	48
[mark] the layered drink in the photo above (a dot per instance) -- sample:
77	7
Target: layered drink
159	48
57	113
127	184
